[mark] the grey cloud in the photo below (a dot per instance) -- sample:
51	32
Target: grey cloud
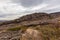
13	7
28	3
4	15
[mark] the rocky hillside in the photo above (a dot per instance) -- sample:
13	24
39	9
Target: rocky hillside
36	26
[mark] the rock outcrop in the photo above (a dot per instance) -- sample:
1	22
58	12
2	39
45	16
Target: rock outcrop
32	34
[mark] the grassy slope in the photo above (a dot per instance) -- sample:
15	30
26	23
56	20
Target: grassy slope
49	31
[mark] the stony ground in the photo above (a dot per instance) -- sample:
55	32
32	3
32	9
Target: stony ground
10	35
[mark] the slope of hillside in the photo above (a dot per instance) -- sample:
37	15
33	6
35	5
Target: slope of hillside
44	26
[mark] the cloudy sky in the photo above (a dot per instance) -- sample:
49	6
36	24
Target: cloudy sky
12	9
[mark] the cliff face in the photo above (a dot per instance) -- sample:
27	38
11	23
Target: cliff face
36	26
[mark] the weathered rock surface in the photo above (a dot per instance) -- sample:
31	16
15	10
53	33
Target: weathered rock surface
32	34
10	35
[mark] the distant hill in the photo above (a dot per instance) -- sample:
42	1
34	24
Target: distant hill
3	20
39	17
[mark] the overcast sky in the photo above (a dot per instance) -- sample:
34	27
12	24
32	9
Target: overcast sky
12	9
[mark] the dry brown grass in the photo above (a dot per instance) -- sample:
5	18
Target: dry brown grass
49	32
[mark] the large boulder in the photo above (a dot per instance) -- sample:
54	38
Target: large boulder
32	34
